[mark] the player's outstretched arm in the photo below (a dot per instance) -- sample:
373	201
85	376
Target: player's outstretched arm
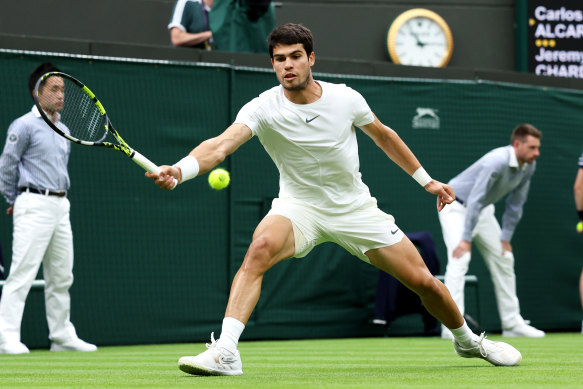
390	142
203	157
213	151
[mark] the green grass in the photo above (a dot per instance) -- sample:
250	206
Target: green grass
555	361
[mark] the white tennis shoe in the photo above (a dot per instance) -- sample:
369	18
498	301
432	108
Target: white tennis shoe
214	361
497	353
523	330
13	348
74	344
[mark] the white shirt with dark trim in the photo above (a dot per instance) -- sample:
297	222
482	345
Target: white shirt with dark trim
487	181
313	145
187	16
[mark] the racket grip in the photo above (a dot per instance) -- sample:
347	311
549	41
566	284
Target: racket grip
148	165
145	163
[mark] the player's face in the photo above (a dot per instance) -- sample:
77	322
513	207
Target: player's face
292	66
527	151
51	95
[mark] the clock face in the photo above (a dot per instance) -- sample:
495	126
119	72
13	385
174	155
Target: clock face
420	38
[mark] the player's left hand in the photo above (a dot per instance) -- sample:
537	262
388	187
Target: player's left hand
443	192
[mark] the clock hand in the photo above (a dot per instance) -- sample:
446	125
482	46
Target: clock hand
433	44
419	43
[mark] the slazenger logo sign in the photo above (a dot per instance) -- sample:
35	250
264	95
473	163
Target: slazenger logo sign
426	118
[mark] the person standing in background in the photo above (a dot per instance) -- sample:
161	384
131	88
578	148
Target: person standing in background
242	25
578	191
34	181
189	26
1	266
503	171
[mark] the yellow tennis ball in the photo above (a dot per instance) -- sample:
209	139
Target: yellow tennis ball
219	179
580	227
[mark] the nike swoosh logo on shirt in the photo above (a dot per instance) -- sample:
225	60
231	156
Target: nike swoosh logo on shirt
314	118
394	232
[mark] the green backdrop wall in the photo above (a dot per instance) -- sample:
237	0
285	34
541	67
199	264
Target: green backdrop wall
155	267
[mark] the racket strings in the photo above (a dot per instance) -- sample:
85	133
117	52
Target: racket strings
81	116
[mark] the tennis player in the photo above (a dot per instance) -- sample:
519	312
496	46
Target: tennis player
308	129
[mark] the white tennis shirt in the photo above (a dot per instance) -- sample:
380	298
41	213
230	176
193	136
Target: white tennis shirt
313	145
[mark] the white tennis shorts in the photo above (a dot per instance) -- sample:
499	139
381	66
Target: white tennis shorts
358	230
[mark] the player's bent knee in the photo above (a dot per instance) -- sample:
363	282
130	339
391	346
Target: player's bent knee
259	256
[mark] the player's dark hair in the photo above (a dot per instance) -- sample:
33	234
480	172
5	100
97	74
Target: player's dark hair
39	72
521	131
290	34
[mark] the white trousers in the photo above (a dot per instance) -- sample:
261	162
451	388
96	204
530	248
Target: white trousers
42	234
487	238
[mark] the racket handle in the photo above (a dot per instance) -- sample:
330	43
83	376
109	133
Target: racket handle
145	163
148	165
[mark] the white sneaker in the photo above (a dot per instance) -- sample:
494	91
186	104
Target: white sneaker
497	353
73	345
214	361
13	348
523	330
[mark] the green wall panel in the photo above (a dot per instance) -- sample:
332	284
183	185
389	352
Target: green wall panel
156	267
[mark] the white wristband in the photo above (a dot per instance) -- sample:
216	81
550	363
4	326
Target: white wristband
421	177
188	167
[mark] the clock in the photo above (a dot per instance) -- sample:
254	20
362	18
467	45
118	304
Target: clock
420	37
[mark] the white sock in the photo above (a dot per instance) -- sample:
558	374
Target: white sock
464	336
232	330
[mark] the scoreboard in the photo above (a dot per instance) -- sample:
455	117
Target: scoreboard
554	37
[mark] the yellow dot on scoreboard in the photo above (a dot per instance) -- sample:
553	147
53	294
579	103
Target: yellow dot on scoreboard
538	43
531	22
552	43
545	42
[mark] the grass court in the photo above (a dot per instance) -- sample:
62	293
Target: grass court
555	361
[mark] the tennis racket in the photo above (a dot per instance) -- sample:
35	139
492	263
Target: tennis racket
83	119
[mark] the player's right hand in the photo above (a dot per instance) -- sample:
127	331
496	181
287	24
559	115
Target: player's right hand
168	177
